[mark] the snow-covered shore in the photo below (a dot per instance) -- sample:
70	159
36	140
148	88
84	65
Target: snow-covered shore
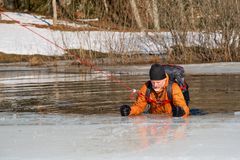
24	38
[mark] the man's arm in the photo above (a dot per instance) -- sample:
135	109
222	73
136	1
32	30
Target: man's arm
141	102
178	98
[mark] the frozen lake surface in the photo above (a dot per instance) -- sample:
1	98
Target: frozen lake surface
32	136
48	114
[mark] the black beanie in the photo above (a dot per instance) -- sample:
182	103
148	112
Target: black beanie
157	72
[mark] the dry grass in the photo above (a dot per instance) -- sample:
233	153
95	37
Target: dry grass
98	58
7	22
199	54
33	60
87	58
101	25
58	27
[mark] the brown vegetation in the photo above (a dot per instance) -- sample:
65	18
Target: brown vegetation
98	58
33	60
198	54
81	57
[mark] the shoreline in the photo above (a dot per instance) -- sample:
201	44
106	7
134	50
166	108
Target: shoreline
221	68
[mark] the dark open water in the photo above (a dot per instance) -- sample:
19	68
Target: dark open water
44	91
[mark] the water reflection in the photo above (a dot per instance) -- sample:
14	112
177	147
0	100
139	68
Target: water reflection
96	94
215	93
155	129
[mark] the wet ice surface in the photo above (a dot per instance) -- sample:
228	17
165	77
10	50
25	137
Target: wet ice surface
55	136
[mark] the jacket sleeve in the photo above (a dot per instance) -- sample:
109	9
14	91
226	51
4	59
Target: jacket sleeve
178	99
141	102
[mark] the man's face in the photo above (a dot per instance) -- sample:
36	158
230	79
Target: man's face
158	85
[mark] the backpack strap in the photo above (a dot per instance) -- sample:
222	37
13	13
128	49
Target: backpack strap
147	95
185	94
148	91
169	92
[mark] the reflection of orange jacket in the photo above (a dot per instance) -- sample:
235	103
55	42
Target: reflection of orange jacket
157	133
177	98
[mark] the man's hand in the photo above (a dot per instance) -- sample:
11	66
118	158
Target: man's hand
177	111
125	110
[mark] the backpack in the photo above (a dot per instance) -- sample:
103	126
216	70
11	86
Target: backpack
175	74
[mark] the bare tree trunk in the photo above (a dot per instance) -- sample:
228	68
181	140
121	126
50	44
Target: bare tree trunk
106	6
238	44
192	14
181	7
54	5
237	6
155	14
136	14
149	8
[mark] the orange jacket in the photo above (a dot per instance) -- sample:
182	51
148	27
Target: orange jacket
177	97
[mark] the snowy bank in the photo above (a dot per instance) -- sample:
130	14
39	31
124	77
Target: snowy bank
24	38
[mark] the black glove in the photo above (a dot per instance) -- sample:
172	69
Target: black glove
177	111
125	110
